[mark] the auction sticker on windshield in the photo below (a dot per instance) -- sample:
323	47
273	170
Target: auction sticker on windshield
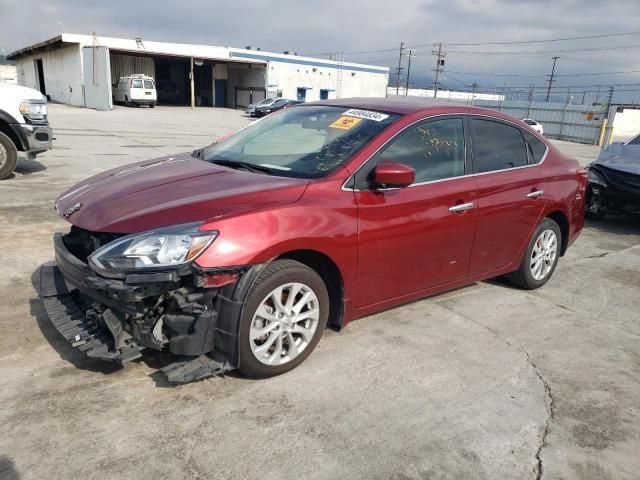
345	123
366	114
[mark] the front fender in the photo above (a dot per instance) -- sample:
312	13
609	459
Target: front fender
322	223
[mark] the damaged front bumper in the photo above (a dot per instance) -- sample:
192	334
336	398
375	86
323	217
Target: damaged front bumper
174	310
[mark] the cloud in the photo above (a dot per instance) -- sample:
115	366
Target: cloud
357	25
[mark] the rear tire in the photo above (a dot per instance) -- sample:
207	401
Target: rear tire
8	156
152	105
539	263
310	298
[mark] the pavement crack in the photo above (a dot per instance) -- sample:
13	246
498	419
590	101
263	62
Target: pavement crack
600	255
549	402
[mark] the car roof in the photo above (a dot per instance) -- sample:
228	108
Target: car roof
407	106
422	107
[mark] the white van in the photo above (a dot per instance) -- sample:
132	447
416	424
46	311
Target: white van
136	90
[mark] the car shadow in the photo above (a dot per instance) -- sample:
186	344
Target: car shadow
616	224
27	167
7	469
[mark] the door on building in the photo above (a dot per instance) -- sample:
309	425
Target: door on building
40	76
221	93
203	84
324	94
302	94
97	78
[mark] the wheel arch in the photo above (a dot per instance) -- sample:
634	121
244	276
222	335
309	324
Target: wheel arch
8	130
330	273
561	219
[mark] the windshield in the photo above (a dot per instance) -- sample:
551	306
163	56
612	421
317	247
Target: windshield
266	101
634	141
303	142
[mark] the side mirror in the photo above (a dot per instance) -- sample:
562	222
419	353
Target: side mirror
393	175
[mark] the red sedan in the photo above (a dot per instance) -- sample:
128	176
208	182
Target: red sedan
313	216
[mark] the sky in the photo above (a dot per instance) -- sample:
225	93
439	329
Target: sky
370	25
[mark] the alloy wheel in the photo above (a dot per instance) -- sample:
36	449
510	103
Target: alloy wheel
3	155
543	254
284	323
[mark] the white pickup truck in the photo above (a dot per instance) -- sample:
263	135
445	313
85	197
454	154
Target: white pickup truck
23	125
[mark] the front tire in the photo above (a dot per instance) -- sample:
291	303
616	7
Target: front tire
541	257
8	156
284	316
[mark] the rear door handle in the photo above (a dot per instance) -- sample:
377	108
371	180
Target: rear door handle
461	207
535	194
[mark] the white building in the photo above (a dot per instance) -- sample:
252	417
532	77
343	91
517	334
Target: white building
445	94
8	73
82	69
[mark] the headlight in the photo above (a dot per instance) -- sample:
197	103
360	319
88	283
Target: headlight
165	247
33	110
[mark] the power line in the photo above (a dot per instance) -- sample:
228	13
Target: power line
460	44
541	76
542	52
521	42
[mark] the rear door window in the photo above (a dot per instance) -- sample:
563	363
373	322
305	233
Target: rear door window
136	84
148	84
537	149
497	146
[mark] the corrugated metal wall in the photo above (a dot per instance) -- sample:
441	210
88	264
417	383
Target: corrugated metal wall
124	65
575	123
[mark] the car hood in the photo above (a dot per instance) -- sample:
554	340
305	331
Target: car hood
624	158
170	191
24	93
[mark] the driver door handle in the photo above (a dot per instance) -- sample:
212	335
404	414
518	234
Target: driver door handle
535	194
461	207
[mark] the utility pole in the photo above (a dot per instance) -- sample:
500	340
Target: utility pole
399	68
531	87
610	97
553	70
597	96
584	94
474	87
410	55
439	54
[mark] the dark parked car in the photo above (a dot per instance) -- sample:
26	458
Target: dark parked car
314	216
262	110
614	180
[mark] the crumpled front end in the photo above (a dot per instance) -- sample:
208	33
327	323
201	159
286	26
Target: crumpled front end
613	191
184	310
